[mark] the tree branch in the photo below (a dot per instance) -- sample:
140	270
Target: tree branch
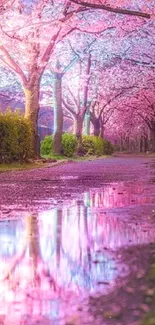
109	102
48	50
110	9
69	109
10	62
77	56
74	99
86	85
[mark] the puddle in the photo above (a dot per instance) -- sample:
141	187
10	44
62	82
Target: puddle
52	260
68	177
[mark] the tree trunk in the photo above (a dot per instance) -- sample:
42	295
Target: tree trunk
96	125
152	135
87	123
145	144
58	114
127	143
153	140
102	131
31	112
121	144
141	144
86	106
78	126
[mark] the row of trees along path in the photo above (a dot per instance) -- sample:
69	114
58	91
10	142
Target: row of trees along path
31	31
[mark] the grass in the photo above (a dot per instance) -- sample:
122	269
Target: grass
18	166
50	156
27	166
74	158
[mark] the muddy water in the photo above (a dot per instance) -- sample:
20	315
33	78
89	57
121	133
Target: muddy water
51	261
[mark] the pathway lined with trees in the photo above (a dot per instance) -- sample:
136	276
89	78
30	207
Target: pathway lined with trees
87	73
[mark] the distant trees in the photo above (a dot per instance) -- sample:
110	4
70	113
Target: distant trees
76	101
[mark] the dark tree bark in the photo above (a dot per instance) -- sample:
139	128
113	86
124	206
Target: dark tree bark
152	135
110	9
102	127
146	145
95	121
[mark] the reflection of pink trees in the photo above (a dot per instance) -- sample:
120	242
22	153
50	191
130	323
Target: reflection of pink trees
109	204
26	280
31	278
66	251
27	268
118	195
38	270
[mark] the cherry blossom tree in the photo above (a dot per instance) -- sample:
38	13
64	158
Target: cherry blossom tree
27	45
143	106
32	38
133	121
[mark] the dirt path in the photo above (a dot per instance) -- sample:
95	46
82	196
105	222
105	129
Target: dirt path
34	189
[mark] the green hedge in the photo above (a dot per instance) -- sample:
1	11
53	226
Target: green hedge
91	145
15	137
69	145
88	145
46	145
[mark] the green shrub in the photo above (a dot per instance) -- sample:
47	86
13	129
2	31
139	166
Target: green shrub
108	148
88	144
69	144
15	137
92	145
24	137
99	143
46	145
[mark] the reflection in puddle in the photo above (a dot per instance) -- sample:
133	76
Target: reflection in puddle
121	195
51	259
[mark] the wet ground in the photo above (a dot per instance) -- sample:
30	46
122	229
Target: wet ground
77	244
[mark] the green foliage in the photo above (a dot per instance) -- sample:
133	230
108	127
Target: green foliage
108	148
149	319
93	145
69	144
152	272
46	145
15	137
88	144
99	143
